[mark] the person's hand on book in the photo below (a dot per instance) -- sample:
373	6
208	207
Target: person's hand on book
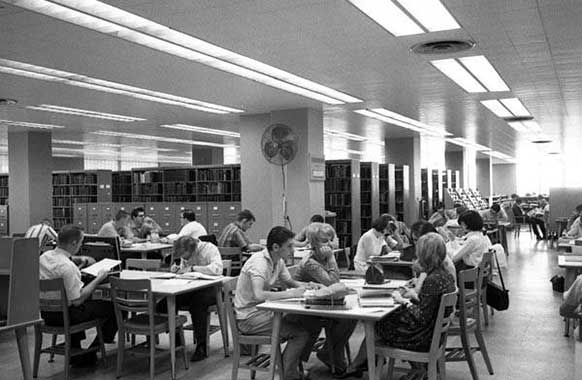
102	275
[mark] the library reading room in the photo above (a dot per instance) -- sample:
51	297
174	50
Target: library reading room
290	189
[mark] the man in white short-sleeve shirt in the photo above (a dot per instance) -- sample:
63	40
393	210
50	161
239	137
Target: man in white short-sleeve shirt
190	227
58	263
375	243
256	279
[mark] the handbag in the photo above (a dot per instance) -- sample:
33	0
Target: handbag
497	296
374	275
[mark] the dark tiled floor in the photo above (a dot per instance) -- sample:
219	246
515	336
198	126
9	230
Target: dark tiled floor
525	342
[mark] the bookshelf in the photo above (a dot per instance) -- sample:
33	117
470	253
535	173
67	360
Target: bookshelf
4	189
147	185
425	193
437	189
455	175
342	196
399	198
121	186
384	184
369	194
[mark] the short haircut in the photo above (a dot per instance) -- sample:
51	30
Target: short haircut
318	233
184	244
380	223
472	219
495	207
69	233
120	215
460	209
518	200
317	219
189	215
135	212
514	196
278	235
422	227
579	208
431	251
245	214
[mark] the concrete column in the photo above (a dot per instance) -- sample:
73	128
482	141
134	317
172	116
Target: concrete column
262	182
406	151
207	155
455	160
30	178
484	177
469	168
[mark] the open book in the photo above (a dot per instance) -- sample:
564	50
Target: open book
105	264
198	276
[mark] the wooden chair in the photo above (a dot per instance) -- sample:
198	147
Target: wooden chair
59	304
145	322
435	357
234	254
468	321
485	275
143	264
258	362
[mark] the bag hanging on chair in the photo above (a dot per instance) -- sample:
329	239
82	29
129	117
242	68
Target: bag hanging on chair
497	296
374	275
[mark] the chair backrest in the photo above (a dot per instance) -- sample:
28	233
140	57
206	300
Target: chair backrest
209	238
232	253
442	323
132	296
226	267
469	300
143	264
53	298
228	289
485	269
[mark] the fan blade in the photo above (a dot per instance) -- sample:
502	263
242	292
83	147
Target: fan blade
271	149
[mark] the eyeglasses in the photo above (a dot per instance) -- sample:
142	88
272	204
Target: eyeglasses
141	215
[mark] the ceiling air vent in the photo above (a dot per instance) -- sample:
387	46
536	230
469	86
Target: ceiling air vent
541	141
517	118
443	47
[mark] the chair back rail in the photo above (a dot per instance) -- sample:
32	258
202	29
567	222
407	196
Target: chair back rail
229	287
469	300
442	323
53	298
132	296
226	267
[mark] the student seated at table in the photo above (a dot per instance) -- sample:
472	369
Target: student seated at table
258	275
58	263
44	232
301	238
234	235
537	219
190	227
378	240
473	245
141	226
410	327
494	214
439	217
320	266
116	227
202	257
574	216
575	229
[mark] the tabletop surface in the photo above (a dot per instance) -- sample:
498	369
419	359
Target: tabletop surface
570	261
161	284
145	247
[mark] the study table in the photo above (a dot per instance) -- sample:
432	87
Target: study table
352	310
172	287
144	248
573	265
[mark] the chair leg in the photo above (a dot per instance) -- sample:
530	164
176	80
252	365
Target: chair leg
485	310
235	361
223	329
184	353
442	367
279	363
53	343
580	329
37	348
67	355
120	352
153	356
254	351
483	349
101	342
468	355
432	370
348	353
566	326
391	368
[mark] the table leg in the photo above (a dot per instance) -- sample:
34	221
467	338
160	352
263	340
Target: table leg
371	349
171	299
275	339
22	340
222	319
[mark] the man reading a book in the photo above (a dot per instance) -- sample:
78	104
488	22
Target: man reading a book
58	263
202	257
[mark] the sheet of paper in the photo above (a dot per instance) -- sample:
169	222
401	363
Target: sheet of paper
176	282
105	264
389	284
353	283
198	276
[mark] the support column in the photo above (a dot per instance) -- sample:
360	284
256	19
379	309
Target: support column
484	177
406	151
207	155
262	182
30	178
455	160
469	168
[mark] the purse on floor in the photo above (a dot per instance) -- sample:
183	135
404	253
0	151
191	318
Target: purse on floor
497	296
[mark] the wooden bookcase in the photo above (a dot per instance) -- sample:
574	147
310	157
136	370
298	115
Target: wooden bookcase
400	196
121	186
425	193
147	185
437	189
4	189
384	189
342	196
369	194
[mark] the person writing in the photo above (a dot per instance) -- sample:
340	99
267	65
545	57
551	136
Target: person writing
234	235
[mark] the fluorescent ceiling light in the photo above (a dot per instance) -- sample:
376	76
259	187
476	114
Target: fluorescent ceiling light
118	23
389	16
467	143
72	79
65	155
345	135
497	108
484	71
86	113
518	126
11	123
496	154
390	117
432	14
158	138
515	106
458	74
208	131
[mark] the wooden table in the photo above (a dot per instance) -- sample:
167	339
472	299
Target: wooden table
573	265
369	316
170	288
144	248
22	341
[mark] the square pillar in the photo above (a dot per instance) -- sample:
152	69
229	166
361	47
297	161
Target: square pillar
30	169
484	177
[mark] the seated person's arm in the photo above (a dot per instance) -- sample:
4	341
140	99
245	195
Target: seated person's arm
325	275
465	250
83	261
287	280
301	238
260	295
88	289
573	232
